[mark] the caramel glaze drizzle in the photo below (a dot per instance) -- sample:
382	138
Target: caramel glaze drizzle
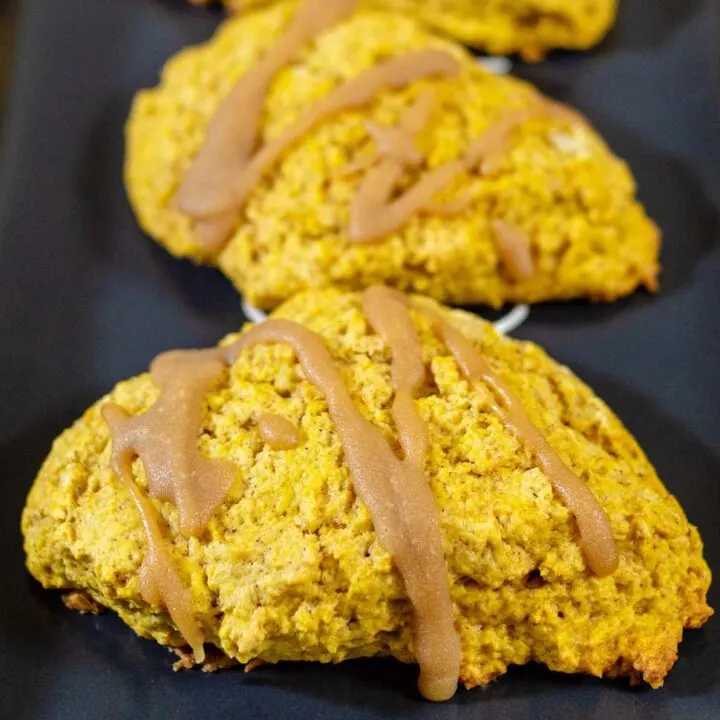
176	470
419	555
374	214
165	439
278	432
513	250
220	181
232	136
160	583
596	538
396	144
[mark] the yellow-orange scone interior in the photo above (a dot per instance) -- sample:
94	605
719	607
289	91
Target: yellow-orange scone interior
290	566
530	27
556	182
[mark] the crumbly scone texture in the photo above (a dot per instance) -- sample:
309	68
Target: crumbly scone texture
290	568
528	27
559	183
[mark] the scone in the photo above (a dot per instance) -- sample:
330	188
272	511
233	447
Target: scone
531	28
366	475
309	146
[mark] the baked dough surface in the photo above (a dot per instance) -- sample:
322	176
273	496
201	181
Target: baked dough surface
290	568
558	184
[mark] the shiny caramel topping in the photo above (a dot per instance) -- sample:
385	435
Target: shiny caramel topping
278	432
398	143
160	583
513	248
597	541
165	437
394	143
217	196
208	192
424	568
375	213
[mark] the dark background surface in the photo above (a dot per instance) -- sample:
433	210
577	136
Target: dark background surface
8	15
86	300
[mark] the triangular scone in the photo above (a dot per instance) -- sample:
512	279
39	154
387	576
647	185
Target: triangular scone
530	28
289	566
553	188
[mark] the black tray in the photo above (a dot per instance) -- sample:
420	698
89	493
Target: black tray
86	300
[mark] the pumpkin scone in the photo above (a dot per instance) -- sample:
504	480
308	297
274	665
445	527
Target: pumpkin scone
310	145
366	475
531	27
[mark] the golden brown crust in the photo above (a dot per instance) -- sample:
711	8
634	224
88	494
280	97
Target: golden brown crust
82	603
215	659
